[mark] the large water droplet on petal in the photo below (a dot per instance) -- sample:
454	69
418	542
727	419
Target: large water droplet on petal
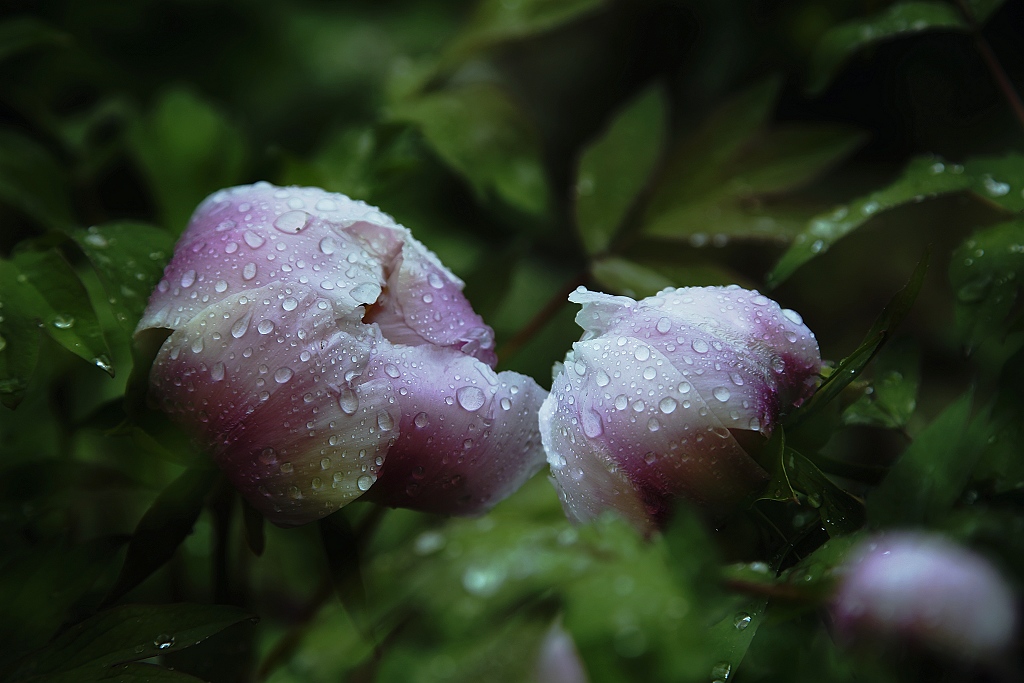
282	375
292	222
721	393
364	482
253	240
470	398
592	425
385	421
348	401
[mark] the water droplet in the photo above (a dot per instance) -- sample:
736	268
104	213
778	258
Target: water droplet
282	375
700	346
994	187
241	325
755	424
348	401
506	404
292	222
721	393
639	406
741	621
366	292
792	316
63	321
364	482
385	421
650	373
101	361
287	468
470	398
197	345
650	457
392	371
621	402
684	387
421	420
602	379
221	286
668	405
188	279
328	245
163	641
869	208
642	353
721	671
435	281
253	240
249	271
664	325
592	425
217	372
265	326
653	424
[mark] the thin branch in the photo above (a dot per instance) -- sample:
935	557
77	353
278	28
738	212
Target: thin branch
542	318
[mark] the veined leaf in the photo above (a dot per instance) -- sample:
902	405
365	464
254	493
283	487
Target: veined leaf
900	19
614	169
480	132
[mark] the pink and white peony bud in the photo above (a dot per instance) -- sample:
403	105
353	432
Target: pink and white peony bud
309	334
645	406
924	588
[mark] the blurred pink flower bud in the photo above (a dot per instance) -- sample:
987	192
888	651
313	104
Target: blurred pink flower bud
315	341
924	588
645	406
558	660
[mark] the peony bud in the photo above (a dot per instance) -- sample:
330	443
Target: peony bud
644	408
314	341
926	589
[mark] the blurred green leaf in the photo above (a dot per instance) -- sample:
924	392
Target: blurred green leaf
899	19
998	179
892	395
341	546
25	33
129	633
133	672
853	365
923	178
983	9
1000	463
187	149
841	513
931	473
343	164
166	524
41	290
481	133
33	181
130	258
626	277
730	637
614	168
496	21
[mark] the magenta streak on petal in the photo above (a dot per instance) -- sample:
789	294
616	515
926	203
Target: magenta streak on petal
260	385
468	437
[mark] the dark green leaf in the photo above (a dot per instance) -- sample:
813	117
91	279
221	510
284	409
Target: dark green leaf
166	524
130	258
931	473
33	182
986	272
129	633
187	150
481	133
983	9
841	513
900	19
772	457
496	21
853	365
923	178
614	169
344	164
19	333
25	33
255	537
721	217
341	546
625	277
891	398
998	180
731	636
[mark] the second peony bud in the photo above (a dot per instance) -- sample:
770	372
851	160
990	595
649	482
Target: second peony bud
648	404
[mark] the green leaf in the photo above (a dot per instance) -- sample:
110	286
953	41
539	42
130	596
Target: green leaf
483	135
341	546
900	19
931	473
187	150
853	365
166	524
497	21
130	258
985	272
134	672
129	633
614	169
344	164
693	166
33	182
731	636
892	396
983	9
721	216
43	290
622	276
773	457
841	513
19	333
26	33
998	179
924	177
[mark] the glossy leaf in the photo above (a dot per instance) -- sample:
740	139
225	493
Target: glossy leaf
130	258
166	524
891	398
841	513
924	177
998	179
496	21
33	181
188	150
129	633
931	473
483	135
614	168
899	19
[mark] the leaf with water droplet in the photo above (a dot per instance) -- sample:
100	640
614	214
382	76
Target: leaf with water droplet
893	396
900	19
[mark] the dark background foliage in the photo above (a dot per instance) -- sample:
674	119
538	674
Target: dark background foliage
816	151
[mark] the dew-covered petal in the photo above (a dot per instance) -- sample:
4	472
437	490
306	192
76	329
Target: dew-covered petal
923	587
277	392
467	436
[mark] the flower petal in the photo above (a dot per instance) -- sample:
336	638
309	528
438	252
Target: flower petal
276	390
468	436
